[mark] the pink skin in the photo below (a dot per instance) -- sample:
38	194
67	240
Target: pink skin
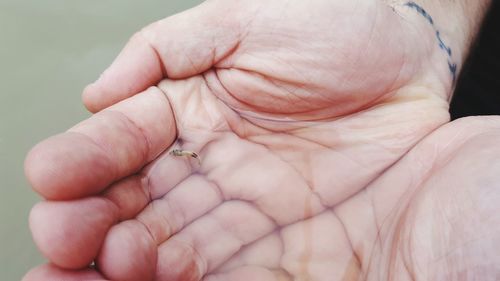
325	155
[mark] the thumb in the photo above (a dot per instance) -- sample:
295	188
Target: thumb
177	47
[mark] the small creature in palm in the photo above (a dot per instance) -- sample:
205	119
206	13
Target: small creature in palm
184	153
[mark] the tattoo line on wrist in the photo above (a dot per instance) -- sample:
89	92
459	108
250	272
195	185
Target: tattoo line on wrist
452	66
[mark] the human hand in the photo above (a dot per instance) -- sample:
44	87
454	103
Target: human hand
295	124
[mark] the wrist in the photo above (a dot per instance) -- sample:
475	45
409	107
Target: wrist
451	27
457	21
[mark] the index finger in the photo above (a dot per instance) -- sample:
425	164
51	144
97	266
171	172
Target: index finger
108	146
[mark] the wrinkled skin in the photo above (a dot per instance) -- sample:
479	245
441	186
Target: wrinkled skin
325	155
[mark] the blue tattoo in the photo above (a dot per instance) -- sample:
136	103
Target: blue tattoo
442	45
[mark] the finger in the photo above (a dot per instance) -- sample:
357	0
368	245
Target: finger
209	241
135	69
319	249
251	273
49	272
190	199
128	253
131	195
265	252
108	146
70	233
177	47
304	250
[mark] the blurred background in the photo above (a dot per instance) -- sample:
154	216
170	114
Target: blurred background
49	50
478	89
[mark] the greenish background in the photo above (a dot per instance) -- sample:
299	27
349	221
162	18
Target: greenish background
49	50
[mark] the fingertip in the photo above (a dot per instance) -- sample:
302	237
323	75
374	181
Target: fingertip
31	170
71	233
89	97
37	171
67	166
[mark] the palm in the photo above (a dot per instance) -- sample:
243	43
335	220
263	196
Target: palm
262	181
289	130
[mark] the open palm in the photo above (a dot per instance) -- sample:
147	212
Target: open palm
297	110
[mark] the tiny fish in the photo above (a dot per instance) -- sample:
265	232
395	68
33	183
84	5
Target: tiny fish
180	152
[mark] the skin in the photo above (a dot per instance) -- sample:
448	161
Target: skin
327	154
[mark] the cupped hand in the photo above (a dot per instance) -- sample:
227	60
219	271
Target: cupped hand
303	116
